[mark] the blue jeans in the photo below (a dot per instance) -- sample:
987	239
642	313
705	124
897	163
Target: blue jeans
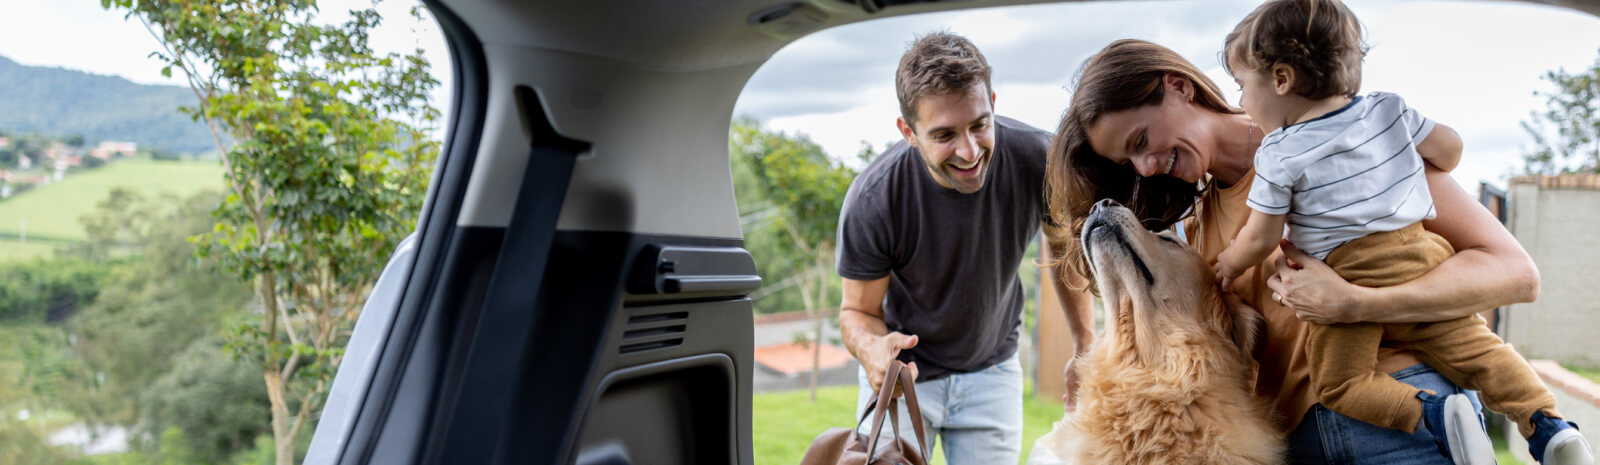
978	414
1325	436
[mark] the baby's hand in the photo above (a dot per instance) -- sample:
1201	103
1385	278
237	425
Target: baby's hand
1226	274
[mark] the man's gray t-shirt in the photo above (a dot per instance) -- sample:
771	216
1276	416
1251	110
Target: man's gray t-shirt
952	258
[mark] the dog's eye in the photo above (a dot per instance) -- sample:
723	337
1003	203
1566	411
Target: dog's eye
1169	239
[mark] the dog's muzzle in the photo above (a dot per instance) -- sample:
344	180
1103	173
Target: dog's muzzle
1109	222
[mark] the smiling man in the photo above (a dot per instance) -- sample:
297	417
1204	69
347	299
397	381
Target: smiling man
930	239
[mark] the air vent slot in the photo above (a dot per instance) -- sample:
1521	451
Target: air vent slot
644	346
654	331
659	317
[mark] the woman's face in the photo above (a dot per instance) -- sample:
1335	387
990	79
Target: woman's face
1169	138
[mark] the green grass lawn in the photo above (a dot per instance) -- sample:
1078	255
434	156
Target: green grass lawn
11	250
786	422
52	211
1592	374
1502	454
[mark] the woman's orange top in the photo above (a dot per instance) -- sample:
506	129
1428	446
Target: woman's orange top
1285	376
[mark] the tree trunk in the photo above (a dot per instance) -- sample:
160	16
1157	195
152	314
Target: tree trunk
816	346
825	252
282	432
282	438
805	298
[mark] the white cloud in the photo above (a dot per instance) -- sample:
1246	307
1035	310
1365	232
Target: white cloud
1471	65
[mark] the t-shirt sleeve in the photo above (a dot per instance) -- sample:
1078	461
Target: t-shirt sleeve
864	245
1417	125
1270	191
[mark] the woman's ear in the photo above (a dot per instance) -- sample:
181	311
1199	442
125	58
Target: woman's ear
1177	83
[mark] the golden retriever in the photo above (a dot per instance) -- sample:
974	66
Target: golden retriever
1169	382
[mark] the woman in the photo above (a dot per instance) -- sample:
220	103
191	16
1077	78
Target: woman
1147	129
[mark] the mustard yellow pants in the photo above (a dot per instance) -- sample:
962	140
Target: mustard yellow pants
1343	356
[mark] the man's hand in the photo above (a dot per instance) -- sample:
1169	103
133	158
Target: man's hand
1069	398
883	350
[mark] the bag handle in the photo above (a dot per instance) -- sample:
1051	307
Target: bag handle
885	403
908	386
881	405
872	402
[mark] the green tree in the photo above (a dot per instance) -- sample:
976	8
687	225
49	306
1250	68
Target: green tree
39	291
807	189
325	147
1566	134
775	259
215	403
155	305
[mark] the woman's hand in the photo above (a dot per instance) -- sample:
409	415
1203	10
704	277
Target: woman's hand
1069	377
1312	289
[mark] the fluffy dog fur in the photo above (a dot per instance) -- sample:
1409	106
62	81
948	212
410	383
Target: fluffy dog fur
1169	382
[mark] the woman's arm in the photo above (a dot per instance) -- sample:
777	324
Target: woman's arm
1489	269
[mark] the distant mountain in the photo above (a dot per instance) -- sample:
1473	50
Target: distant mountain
63	102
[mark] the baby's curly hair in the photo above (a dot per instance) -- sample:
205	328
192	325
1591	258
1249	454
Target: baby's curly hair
1320	39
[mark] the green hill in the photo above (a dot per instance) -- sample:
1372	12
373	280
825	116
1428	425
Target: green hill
63	102
52	211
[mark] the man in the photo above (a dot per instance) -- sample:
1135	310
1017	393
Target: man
930	238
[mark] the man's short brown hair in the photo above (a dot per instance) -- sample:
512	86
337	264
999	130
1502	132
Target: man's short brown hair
1320	39
938	63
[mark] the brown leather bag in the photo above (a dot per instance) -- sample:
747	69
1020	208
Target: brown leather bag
847	446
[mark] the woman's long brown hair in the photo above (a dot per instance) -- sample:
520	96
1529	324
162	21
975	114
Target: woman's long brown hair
1125	75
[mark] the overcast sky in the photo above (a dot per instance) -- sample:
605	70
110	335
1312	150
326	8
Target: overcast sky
78	34
1471	65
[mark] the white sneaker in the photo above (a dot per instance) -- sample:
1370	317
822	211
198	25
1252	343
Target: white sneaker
1568	447
1469	443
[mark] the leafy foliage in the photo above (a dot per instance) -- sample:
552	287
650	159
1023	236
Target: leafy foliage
760	161
326	169
807	190
216	404
34	292
800	180
154	307
1566	134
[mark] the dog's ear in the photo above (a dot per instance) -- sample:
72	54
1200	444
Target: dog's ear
1247	322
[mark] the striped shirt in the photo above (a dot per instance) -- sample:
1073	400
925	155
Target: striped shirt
1346	174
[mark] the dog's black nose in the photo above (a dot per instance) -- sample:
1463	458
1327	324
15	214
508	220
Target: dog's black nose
1103	203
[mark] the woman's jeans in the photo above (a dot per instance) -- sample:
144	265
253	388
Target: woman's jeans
1325	436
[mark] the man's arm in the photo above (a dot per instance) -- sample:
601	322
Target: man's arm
863	331
1078	307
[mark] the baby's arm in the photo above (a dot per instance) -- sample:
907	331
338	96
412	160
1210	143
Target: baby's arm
1442	147
1257	240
